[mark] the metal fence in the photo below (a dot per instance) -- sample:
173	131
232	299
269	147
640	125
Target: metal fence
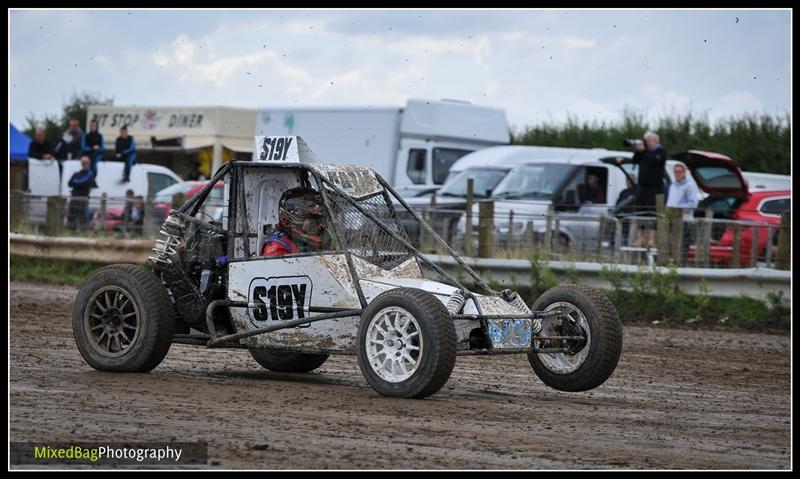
667	237
131	217
670	236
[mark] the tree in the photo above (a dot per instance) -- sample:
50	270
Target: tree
76	107
756	142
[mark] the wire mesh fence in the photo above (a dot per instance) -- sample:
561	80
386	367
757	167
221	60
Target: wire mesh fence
668	236
671	236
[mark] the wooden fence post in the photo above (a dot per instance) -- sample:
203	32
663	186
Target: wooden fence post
675	233
600	237
768	247
103	212
55	215
737	243
510	235
15	208
703	240
784	253
754	247
530	242
662	233
486	229
468	218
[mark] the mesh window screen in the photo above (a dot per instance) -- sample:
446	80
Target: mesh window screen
362	236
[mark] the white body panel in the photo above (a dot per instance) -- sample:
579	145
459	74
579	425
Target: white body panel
331	286
325	280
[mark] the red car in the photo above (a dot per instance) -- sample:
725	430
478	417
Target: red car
163	199
729	198
162	202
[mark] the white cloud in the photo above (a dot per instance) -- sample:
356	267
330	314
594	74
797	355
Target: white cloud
536	72
735	103
656	101
222	70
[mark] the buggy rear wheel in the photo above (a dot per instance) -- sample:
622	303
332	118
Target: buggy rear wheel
286	361
592	360
406	344
123	319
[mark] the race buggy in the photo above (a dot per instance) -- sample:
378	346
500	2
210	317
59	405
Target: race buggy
208	285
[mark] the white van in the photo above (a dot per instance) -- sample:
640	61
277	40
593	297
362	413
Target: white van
44	180
412	147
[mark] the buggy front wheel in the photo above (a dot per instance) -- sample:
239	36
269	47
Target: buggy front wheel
406	344
590	360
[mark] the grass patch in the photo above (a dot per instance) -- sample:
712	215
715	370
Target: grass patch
653	297
52	271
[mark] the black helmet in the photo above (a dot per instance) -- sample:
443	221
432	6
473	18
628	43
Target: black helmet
302	214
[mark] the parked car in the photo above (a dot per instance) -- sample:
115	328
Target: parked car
162	204
759	206
162	201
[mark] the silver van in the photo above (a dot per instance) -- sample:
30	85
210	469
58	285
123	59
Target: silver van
531	189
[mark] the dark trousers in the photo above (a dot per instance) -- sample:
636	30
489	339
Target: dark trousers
130	160
76	217
95	157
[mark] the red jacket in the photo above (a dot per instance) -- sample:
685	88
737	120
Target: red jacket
279	244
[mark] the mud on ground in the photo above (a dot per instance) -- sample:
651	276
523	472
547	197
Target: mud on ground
678	399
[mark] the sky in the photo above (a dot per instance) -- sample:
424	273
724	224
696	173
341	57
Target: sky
539	65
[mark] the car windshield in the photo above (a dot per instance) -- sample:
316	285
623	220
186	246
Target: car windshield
532	181
485	180
165	195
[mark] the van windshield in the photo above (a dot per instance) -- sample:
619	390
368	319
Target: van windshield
485	180
533	181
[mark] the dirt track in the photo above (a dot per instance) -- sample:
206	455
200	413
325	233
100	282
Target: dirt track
722	404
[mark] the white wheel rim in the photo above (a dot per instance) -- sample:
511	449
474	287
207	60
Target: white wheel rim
394	344
561	363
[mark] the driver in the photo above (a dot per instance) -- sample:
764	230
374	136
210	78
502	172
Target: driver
301	226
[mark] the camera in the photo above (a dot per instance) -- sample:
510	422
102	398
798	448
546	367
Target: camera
630	142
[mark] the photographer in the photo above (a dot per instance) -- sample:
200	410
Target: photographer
651	158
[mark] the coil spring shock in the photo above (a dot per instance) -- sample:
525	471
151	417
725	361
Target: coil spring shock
456	301
516	300
166	246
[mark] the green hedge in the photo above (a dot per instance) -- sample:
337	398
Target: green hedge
757	142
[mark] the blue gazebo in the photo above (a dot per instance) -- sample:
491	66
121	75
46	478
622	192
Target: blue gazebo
18	144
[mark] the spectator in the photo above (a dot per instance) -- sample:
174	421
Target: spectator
627	195
683	192
69	146
132	214
593	192
651	158
92	145
81	183
40	148
125	150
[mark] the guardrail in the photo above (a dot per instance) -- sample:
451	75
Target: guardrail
753	282
725	283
